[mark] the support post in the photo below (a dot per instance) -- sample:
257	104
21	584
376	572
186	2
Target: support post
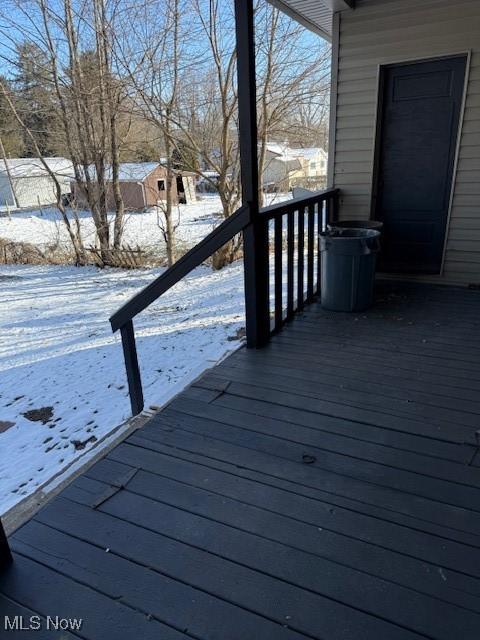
5	554
255	236
133	371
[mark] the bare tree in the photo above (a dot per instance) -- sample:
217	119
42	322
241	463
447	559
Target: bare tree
150	54
172	67
73	231
293	80
76	41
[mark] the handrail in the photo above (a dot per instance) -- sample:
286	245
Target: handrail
123	318
313	207
192	259
281	208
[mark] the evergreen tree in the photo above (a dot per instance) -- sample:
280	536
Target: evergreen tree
35	99
10	133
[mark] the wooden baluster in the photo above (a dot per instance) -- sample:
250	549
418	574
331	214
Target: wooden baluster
300	254
290	259
310	251
278	232
319	212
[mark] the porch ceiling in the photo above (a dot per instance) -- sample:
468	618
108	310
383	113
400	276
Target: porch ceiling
315	15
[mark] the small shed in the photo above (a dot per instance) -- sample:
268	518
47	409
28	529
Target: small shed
143	185
25	182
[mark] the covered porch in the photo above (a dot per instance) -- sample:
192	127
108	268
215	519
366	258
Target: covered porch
326	486
322	483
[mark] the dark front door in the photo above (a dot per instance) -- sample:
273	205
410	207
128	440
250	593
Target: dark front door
420	105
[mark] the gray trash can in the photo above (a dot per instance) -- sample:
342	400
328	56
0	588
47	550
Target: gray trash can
348	268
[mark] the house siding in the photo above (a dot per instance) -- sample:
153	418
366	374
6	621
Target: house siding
153	196
389	31
137	195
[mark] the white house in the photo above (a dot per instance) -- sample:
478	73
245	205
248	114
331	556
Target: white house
314	161
287	167
29	182
280	164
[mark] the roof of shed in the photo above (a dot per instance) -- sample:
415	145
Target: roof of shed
128	171
289	154
34	168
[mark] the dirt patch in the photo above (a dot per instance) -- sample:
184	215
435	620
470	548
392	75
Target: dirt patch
5	424
239	335
81	444
44	414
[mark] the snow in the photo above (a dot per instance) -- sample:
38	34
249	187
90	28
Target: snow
310	153
127	171
60	361
29	167
45	227
59	357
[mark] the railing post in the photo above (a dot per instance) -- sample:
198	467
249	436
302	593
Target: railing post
5	554
131	365
255	236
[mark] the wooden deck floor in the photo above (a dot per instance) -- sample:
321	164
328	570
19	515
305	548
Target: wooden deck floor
325	487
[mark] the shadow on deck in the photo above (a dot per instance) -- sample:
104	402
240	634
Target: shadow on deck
327	486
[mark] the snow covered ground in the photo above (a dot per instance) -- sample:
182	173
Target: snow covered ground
45	227
62	380
195	221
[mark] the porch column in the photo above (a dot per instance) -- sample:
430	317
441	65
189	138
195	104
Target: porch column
255	236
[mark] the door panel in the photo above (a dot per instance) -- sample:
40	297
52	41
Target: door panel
420	113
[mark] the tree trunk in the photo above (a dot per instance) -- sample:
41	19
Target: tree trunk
169	224
9	174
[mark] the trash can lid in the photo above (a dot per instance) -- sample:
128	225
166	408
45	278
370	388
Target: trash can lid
347	241
349	233
358	224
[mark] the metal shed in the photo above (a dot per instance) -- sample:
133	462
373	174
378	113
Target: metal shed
25	182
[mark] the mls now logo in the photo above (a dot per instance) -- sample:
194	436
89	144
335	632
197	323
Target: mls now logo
34	623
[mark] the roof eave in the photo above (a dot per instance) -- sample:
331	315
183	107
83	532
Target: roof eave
301	19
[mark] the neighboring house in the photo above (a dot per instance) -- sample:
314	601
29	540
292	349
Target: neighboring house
280	166
207	182
30	184
314	168
142	185
287	167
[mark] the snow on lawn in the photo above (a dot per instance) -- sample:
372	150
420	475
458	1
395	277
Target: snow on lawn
195	221
44	226
62	381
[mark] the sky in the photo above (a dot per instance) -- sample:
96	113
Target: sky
18	19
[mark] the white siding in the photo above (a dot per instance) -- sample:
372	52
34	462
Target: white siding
38	190
6	197
387	31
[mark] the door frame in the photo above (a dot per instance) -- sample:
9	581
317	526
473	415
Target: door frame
378	129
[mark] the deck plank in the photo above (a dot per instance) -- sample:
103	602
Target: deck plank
324	487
